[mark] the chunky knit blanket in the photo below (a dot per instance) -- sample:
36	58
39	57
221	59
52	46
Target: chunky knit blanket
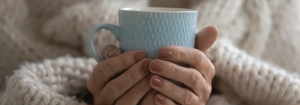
44	42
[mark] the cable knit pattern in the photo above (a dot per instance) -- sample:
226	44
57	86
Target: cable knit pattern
49	82
211	12
16	15
255	81
256	55
283	48
18	46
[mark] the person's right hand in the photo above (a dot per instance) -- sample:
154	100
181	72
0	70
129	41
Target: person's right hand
108	89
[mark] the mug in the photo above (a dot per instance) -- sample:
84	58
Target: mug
149	29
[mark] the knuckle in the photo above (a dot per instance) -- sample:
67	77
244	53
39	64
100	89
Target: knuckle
189	99
208	89
133	77
174	70
212	69
125	62
205	96
198	56
195	78
206	93
180	52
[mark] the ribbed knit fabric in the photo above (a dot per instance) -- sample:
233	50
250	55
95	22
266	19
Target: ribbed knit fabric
49	83
251	79
266	29
256	55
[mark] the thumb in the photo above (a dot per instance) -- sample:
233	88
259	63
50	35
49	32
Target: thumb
206	38
110	51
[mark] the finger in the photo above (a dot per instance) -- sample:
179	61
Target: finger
190	56
161	99
136	93
179	94
107	69
206	38
188	76
118	86
149	97
110	51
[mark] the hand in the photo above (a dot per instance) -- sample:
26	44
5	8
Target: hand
197	77
204	39
108	89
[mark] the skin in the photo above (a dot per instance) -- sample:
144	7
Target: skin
143	77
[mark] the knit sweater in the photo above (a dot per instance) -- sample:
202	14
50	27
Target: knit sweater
256	55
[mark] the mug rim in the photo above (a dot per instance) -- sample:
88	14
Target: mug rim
157	9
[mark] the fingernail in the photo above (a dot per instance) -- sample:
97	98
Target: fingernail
158	82
160	98
112	53
139	56
156	66
145	66
165	54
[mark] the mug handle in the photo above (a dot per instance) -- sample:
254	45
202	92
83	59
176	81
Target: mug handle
112	28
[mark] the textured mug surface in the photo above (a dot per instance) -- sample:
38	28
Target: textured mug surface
150	29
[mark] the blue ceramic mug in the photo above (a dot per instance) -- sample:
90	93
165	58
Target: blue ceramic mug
150	29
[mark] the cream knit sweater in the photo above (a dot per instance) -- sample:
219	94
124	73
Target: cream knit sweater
256	55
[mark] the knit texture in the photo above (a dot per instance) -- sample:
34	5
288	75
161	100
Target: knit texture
256	55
